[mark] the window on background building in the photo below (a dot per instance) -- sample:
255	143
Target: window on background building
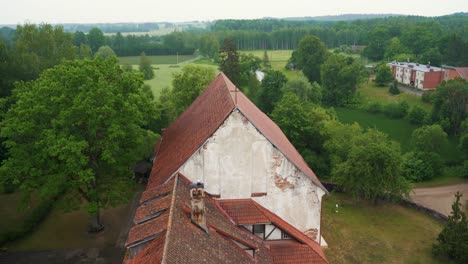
259	230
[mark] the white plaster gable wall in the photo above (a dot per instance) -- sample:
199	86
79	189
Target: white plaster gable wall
238	161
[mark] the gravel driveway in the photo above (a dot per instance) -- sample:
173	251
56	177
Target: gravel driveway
440	198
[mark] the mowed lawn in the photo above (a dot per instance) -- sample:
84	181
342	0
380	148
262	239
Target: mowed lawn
372	93
163	59
62	230
361	232
163	73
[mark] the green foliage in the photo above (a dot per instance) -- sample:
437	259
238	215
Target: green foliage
340	77
374	107
371	168
84	51
427	96
421	166
417	115
429	139
271	90
453	240
248	64
383	75
39	48
393	89
450	100
105	52
127	67
304	90
96	39
229	61
188	84
66	131
396	110
266	60
209	46
379	39
309	56
145	67
394	48
254	89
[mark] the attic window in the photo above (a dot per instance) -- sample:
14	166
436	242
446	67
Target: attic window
285	235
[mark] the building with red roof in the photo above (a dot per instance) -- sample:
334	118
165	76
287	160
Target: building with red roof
262	202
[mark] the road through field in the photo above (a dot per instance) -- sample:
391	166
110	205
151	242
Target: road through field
440	198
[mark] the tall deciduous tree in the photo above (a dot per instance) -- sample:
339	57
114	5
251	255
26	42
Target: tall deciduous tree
450	100
76	130
96	39
309	56
272	92
304	90
145	67
229	61
105	52
340	78
383	75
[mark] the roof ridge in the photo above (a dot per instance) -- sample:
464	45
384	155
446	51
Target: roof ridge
169	220
225	78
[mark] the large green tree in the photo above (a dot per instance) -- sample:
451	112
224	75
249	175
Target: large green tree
304	90
76	131
96	39
40	47
105	52
450	100
145	67
341	76
229	61
309	56
371	168
383	75
271	92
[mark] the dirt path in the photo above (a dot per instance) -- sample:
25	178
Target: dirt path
411	91
440	198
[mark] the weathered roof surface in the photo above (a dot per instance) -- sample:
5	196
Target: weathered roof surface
243	211
463	71
196	124
289	251
247	211
203	117
173	238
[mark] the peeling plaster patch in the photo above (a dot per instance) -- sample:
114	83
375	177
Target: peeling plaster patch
312	233
277	160
283	183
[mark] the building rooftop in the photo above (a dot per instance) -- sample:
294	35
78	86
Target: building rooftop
416	66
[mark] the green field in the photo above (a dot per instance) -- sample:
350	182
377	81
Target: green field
278	60
365	233
369	92
163	59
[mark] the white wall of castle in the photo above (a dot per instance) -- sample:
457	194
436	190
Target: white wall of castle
238	161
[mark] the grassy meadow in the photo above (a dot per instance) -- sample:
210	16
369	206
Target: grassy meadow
163	59
361	232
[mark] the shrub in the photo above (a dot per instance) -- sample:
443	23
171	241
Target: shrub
374	107
417	115
427	96
421	166
396	110
394	88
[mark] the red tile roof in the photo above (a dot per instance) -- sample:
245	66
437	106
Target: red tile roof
246	211
285	252
173	238
158	191
203	117
151	208
463	71
243	211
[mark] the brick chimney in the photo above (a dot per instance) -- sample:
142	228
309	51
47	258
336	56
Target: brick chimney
198	213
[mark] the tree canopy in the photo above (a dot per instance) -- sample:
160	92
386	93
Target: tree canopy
271	92
310	54
229	61
145	67
450	100
76	131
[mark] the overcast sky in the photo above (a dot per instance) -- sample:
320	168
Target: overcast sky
92	11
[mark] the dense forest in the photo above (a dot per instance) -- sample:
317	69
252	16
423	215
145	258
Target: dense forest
435	39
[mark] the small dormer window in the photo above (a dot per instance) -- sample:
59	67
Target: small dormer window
285	235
